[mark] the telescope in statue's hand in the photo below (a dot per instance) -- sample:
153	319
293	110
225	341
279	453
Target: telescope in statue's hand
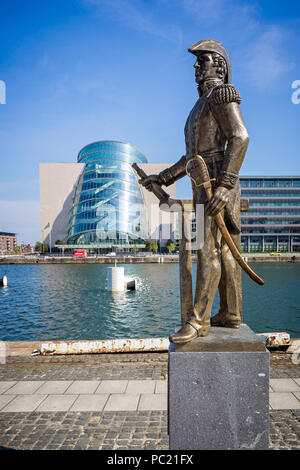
155	187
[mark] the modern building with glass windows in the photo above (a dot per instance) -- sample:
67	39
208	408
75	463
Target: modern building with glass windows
108	207
272	222
98	203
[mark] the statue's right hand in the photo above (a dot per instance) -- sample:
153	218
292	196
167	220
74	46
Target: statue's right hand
147	182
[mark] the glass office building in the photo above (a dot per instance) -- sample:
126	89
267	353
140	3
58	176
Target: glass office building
108	208
272	222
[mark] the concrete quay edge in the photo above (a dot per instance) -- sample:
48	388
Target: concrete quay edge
26	348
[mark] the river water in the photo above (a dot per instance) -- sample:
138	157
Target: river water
60	302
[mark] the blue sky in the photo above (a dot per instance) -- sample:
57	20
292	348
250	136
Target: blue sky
77	71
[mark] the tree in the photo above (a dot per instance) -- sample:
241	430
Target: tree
59	242
170	246
147	245
135	249
154	246
16	249
45	247
40	247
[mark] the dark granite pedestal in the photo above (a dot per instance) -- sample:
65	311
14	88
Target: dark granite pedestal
219	392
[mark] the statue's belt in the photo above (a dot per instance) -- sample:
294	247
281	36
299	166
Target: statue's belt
209	157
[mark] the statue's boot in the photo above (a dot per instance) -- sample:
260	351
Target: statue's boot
188	332
226	320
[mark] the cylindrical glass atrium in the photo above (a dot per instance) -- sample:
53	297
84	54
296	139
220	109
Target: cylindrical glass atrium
108	208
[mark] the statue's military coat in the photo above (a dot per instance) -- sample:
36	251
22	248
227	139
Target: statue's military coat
215	130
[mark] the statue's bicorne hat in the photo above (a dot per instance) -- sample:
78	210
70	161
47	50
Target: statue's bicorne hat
211	45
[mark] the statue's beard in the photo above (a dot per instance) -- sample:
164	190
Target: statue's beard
207	84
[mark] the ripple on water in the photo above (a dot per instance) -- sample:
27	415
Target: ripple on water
71	302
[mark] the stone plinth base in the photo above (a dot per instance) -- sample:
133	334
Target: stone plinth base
219	392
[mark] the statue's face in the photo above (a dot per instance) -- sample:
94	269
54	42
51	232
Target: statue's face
209	65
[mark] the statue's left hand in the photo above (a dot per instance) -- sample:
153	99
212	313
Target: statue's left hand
147	182
218	201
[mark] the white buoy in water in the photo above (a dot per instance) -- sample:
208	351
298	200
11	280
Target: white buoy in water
115	279
3	281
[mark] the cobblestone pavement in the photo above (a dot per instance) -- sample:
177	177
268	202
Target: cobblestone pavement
285	430
114	429
140	366
134	366
85	430
281	366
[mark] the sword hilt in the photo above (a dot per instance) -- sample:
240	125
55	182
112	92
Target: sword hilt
202	173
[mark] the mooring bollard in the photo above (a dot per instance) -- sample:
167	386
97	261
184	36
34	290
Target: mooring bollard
3	281
115	279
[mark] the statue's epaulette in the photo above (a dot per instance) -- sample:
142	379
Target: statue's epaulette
225	93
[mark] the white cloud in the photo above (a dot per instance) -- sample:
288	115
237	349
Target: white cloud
21	217
265	60
137	15
205	10
258	45
231	14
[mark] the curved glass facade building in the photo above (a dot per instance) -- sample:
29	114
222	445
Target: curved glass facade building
108	207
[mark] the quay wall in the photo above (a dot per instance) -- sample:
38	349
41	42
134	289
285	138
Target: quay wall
250	258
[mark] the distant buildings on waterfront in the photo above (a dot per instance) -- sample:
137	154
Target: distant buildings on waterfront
272	222
97	203
9	244
26	248
8	241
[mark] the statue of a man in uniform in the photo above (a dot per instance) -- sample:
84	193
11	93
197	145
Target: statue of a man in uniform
215	130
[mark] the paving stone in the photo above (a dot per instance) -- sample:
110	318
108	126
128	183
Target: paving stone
297	380
161	386
54	387
24	387
150	401
112	386
57	403
24	403
297	395
126	402
284	385
5	399
5	385
284	401
140	386
90	403
82	386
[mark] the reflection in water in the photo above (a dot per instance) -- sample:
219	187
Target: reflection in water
71	302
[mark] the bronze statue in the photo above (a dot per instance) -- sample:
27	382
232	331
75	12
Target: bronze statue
215	131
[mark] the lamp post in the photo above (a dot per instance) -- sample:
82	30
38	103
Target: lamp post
50	236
